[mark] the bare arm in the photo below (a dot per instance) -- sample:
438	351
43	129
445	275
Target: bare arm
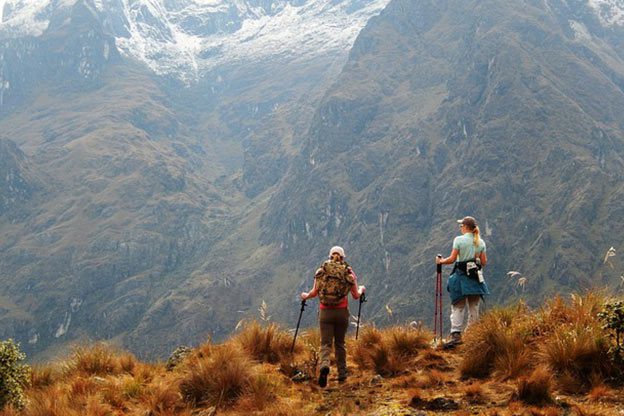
483	258
450	259
312	293
356	291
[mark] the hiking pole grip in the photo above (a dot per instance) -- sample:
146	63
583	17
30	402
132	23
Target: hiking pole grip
303	305
439	266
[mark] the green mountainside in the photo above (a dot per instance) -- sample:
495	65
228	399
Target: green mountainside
139	209
494	109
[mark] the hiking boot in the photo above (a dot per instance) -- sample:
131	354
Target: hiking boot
453	342
342	379
323	376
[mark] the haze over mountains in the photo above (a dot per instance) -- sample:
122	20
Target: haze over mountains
165	167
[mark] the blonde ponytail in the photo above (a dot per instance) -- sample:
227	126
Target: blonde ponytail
475	239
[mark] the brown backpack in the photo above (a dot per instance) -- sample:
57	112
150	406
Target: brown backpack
333	281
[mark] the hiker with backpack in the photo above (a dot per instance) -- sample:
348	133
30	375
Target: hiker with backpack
333	282
465	284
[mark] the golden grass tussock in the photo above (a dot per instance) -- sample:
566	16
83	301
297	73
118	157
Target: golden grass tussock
144	372
261	391
219	379
83	386
113	394
438	378
204	350
265	343
407	341
162	397
600	393
95	407
50	402
388	352
536	389
98	359
43	376
369	338
127	362
474	393
131	387
494	344
577	350
565	337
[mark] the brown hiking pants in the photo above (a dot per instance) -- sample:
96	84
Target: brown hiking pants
334	324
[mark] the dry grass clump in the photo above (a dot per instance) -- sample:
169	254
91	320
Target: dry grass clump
565	337
218	379
50	402
536	389
266	343
369	338
98	359
576	352
581	310
260	393
162	397
94	407
474	393
43	376
495	345
82	386
600	393
127	362
406	341
389	351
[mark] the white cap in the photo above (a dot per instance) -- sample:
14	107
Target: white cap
337	249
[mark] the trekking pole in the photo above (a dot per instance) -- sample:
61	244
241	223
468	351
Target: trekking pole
362	300
303	304
437	324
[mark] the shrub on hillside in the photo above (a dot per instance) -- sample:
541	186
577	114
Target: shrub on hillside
612	317
14	375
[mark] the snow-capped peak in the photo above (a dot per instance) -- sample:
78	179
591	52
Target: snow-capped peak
610	12
187	37
190	36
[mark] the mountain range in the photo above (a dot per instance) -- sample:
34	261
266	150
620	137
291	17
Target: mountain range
167	166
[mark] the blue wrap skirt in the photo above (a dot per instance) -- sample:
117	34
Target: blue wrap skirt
460	285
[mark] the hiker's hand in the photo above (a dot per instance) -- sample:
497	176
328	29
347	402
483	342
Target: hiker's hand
304	295
362	290
438	260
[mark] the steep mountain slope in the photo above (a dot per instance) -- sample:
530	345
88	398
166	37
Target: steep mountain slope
143	175
154	199
509	111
